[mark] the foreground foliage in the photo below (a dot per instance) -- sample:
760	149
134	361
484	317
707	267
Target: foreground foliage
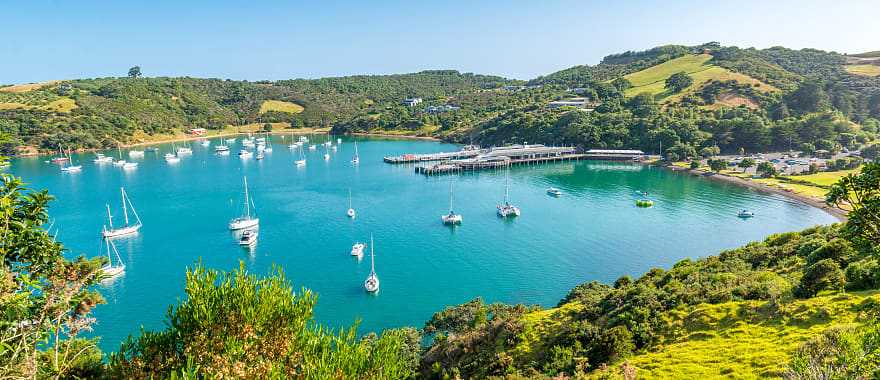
237	325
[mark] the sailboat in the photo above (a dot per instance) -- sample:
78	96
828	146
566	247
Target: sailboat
136	153
326	154
268	148
222	149
506	209
358	250
100	158
302	159
350	211
60	157
171	158
356	159
120	161
248	238
109	270
111	232
372	282
246	220
71	168
184	150
452	218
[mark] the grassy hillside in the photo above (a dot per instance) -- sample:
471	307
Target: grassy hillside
279	106
867	70
653	79
743	339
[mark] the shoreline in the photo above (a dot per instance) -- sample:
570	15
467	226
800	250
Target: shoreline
836	212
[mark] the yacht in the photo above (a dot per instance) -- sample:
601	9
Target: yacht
554	191
372	282
130	165
248	238
745	214
100	158
136	153
506	209
244	153
452	218
109	270
350	212
302	159
109	231
71	168
60	157
246	220
356	159
221	148
358	250
184	150
171	158
260	156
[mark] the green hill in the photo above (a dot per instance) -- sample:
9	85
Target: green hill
652	80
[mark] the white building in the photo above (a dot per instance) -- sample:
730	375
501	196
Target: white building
582	103
410	102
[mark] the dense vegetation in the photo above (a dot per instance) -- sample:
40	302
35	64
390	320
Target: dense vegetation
704	96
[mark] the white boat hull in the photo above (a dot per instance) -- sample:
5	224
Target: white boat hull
111	271
117	232
240	224
451	219
372	284
350	213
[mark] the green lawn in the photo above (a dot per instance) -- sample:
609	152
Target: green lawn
653	79
825	178
279	106
868	70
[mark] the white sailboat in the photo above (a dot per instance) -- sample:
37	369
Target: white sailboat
136	153
248	238
326	154
268	148
184	150
171	158
246	220
452	218
372	282
506	209
70	168
109	270
100	158
350	212
109	231
302	159
120	161
356	159
222	149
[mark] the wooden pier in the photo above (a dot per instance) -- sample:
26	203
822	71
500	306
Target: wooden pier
452	167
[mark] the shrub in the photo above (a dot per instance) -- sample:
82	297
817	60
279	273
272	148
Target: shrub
825	274
862	275
615	343
837	249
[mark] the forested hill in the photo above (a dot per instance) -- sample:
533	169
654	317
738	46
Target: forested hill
696	100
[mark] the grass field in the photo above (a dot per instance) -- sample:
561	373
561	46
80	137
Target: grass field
867	70
743	340
279	106
62	105
653	79
20	88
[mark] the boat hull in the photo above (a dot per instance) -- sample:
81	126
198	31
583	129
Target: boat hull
240	224
117	232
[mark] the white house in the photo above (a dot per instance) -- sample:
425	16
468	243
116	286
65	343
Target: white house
410	102
582	103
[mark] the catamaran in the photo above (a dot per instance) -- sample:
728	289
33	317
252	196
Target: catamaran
356	159
109	270
358	250
506	209
110	232
350	211
372	282
452	218
246	220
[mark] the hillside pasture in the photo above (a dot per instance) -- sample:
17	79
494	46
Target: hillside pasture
280	106
653	79
27	87
866	70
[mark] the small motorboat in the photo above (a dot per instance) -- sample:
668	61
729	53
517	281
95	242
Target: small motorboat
746	214
72	169
130	165
248	238
245	153
554	191
358	249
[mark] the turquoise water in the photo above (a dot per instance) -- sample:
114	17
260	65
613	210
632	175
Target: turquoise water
592	232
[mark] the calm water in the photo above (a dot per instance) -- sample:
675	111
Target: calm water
593	232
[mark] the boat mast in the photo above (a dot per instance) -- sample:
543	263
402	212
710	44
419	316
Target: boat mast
372	260
124	207
506	185
349	198
247	205
110	216
450	197
133	211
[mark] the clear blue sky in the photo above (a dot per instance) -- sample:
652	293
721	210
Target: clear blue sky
290	39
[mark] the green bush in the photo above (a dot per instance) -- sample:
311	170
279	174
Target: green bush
825	274
862	275
839	250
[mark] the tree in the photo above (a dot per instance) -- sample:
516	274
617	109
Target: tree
134	72
678	81
39	286
871	152
237	325
766	169
746	163
717	165
710	151
825	274
621	84
267	127
860	194
809	97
